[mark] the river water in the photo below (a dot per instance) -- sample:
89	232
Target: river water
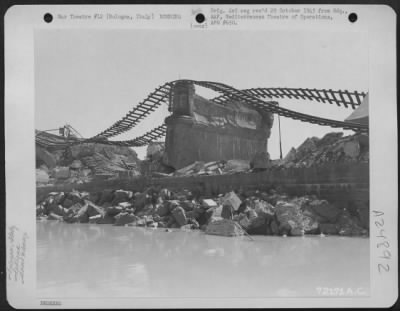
85	260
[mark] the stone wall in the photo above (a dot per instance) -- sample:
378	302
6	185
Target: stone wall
338	183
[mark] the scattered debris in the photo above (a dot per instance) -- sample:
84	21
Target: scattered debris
332	148
231	199
81	163
224	227
42	176
85	162
230	214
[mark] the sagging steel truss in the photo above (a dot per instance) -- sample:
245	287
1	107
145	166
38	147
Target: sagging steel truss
253	97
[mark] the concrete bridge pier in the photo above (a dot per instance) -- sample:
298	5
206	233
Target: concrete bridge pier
201	130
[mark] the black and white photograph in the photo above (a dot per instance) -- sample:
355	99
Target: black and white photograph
203	163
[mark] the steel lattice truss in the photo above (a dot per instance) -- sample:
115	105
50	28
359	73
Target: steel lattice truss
254	97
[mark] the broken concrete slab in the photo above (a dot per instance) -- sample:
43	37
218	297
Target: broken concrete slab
125	218
76	165
42	177
236	165
323	211
208	203
179	215
61	172
224	227
232	200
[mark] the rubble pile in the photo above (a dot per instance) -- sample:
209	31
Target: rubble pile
332	148
84	163
154	165
214	168
254	212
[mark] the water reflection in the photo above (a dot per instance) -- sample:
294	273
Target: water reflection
76	260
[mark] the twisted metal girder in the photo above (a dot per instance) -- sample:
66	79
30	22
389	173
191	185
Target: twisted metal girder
43	139
342	98
159	96
46	144
162	95
139	141
250	96
272	107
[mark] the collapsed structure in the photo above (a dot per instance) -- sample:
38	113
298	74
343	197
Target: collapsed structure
202	130
225	135
60	163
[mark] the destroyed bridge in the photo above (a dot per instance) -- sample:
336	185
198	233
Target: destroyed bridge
235	124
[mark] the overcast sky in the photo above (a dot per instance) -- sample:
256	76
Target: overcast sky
92	78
